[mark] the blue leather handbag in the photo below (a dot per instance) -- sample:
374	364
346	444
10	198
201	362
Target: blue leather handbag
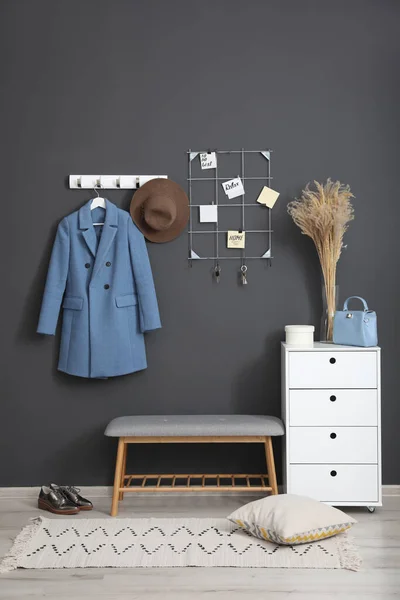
356	327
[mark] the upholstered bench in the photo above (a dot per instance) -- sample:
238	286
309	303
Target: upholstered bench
196	429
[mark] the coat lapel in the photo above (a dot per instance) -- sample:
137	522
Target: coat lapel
90	239
86	225
110	229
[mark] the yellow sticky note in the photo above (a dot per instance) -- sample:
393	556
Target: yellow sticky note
268	197
236	239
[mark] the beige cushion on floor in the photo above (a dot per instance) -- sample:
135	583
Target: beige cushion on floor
290	519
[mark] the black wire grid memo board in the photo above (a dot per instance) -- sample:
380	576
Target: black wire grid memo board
245	203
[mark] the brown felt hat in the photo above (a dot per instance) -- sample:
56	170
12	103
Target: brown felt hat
160	209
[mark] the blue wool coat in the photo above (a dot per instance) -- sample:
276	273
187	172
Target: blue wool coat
101	277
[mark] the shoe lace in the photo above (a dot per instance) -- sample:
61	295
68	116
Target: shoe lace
60	491
72	488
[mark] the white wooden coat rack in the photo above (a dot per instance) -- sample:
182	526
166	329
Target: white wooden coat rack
110	181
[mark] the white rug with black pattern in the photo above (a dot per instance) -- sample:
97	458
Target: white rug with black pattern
68	543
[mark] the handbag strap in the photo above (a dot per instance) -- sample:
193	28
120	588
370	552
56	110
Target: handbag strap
346	302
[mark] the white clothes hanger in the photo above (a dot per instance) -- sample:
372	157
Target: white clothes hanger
98	202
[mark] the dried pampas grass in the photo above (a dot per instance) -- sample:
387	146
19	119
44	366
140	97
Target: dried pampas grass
324	215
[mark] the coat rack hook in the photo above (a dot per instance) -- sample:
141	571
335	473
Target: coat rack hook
111	181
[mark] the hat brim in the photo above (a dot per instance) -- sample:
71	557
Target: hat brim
160	187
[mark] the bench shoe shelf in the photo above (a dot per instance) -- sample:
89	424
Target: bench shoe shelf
197	429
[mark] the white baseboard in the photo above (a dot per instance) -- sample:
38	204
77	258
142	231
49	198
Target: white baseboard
94	491
101	491
391	490
104	491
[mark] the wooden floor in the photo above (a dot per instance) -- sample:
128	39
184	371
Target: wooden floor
378	537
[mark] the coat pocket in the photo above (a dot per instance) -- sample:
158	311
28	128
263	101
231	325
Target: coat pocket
126	300
73	302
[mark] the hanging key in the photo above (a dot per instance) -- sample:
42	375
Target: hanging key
217	272
243	270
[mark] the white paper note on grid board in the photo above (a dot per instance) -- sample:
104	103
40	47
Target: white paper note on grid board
208	160
233	188
208	213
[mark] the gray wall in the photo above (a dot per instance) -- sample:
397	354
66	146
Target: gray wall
124	86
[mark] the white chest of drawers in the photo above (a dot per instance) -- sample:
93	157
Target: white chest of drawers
331	408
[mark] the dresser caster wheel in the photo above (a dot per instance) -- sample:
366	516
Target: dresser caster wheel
371	509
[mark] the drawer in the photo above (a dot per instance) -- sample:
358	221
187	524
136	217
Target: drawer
333	407
333	444
335	483
333	369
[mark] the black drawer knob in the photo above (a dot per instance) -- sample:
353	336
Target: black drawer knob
332	360
333	436
333	473
332	398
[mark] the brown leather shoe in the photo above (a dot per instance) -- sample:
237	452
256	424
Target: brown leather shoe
54	501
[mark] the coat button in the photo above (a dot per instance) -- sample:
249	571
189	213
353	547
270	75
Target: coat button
106	287
108	264
87	265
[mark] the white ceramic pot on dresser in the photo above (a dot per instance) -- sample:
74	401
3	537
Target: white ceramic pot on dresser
332	412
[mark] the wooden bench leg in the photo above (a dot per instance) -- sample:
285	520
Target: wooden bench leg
269	454
117	477
123	472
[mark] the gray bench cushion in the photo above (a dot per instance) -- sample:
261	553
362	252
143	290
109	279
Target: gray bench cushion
194	425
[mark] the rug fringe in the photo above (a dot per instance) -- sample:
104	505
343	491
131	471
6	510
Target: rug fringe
10	560
349	557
